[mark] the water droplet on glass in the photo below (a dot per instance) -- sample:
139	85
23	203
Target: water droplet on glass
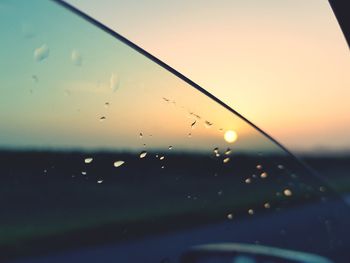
230	216
193	123
228	151
41	53
250	211
140	135
161	158
208	124
226	160
165	99
217	155
263	175
287	192
322	189
190	135
248	181
254	176
114	82
83	173
143	154
216	150
162	167
280	166
267	205
118	163
220	192
67	92
103	118
76	58
107	104
35	78
170	147
100	181
259	167
88	160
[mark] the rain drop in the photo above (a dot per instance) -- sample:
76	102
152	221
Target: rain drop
88	160
216	150
35	78
103	118
83	173
259	167
280	166
208	124
170	147
226	160
76	58
250	211
41	53
67	92
118	163
230	216
114	82
100	181
228	151
263	175
193	123
140	135
161	158
267	205
220	192
287	192
248	181
143	154
107	104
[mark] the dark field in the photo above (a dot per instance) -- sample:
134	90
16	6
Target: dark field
53	201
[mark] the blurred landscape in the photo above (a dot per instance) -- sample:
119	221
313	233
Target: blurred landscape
60	199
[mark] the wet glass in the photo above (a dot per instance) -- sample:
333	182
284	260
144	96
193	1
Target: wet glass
105	155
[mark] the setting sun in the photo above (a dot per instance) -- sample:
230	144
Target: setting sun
230	136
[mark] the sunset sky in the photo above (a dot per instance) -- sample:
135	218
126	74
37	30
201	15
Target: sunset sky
65	83
282	64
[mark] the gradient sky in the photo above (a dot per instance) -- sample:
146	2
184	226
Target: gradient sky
283	64
57	72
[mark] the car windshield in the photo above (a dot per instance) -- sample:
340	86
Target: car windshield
109	155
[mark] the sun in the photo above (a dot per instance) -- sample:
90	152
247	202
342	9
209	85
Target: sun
230	136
